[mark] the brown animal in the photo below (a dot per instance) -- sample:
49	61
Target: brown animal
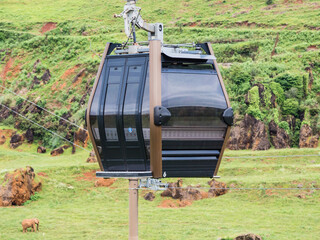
30	223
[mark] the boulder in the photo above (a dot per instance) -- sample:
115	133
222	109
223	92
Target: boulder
249	236
16	141
57	151
2	139
250	133
29	135
217	188
18	187
46	76
278	136
91	160
81	137
149	196
92	154
41	149
307	139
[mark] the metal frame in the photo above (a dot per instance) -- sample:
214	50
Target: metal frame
155	100
209	48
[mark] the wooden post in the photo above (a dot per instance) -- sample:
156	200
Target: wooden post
155	100
133	209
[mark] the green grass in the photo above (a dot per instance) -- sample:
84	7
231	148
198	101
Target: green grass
69	208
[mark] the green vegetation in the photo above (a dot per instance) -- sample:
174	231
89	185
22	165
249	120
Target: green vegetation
273	44
69	207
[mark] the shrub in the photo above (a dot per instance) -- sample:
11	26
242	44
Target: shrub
284	125
290	107
269	2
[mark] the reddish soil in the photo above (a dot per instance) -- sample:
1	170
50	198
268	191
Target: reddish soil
48	27
312	48
104	182
43	174
168	203
6	69
88	176
69	72
7	133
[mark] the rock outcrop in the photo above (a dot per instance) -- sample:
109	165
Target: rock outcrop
250	133
2	139
249	236
57	151
278	136
149	196
81	137
192	193
29	135
307	139
41	149
18	187
16	141
92	157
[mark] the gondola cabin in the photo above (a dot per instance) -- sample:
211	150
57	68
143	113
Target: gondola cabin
159	111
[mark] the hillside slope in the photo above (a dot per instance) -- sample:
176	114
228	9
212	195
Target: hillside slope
269	56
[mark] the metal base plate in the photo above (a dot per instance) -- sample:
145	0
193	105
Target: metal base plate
124	174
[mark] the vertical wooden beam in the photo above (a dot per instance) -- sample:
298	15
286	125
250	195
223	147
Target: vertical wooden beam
90	103
155	100
228	104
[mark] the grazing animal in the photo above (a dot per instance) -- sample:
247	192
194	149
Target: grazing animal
30	223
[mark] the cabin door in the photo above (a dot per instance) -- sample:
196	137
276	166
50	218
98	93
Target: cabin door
120	126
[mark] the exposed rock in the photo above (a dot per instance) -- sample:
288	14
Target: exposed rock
307	139
35	81
41	149
250	133
104	182
80	74
2	139
217	188
29	135
16	141
73	149
81	137
46	76
91	160
149	196
35	66
248	236
18	187
66	146
4	113
174	190
278	136
65	116
57	151
92	154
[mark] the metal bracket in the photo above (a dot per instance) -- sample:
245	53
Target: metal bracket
152	184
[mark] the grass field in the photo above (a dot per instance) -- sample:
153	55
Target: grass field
71	208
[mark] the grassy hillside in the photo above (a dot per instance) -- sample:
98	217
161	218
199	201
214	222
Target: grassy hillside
276	45
70	207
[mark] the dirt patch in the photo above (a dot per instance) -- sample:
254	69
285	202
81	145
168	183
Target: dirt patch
104	182
168	203
43	174
69	72
48	27
88	176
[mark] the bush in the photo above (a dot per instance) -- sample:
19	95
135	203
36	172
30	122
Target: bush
284	125
290	107
269	2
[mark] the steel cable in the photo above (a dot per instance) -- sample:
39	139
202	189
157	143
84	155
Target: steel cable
43	127
43	108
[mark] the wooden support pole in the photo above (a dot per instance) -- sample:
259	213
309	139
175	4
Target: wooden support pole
155	100
133	209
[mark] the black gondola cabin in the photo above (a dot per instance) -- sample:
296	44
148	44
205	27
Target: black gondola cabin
194	117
